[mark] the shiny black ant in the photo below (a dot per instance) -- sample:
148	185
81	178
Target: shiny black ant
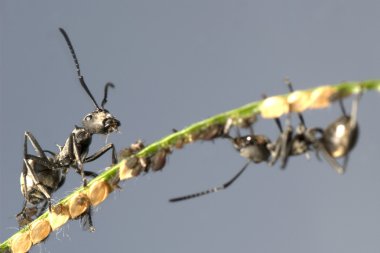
42	175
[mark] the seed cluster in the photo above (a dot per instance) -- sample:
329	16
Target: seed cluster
77	205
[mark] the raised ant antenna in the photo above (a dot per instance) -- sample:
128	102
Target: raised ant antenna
215	189
80	77
104	101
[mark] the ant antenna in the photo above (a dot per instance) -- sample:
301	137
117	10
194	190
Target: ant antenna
104	101
215	189
80	77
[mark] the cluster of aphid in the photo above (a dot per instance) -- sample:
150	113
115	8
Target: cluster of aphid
44	173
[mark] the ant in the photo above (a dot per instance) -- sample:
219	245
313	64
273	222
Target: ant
42	175
335	141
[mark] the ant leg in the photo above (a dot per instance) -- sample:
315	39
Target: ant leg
215	189
291	89
86	220
40	160
24	186
342	108
275	148
77	159
286	144
31	173
100	152
35	144
331	160
88	173
22	211
49	152
44	207
354	111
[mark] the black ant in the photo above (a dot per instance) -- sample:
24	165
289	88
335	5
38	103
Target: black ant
43	175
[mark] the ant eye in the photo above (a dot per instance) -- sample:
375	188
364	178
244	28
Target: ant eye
88	117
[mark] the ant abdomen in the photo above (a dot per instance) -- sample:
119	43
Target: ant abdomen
340	137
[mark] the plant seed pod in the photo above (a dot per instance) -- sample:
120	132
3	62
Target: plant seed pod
320	97
58	216
78	205
39	230
21	243
274	107
98	192
125	171
298	101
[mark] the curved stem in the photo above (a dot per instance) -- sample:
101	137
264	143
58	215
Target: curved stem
187	135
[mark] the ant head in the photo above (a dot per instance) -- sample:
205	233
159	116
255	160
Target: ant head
253	147
100	121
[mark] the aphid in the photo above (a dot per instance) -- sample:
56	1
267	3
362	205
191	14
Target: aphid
252	147
158	160
137	164
41	175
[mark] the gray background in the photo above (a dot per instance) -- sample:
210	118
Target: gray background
175	63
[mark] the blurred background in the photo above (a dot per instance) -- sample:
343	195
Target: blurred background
175	63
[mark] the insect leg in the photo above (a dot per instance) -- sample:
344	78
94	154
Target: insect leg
78	159
100	152
34	143
331	160
35	180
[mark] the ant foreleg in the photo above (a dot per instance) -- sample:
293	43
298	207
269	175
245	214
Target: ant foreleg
100	152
